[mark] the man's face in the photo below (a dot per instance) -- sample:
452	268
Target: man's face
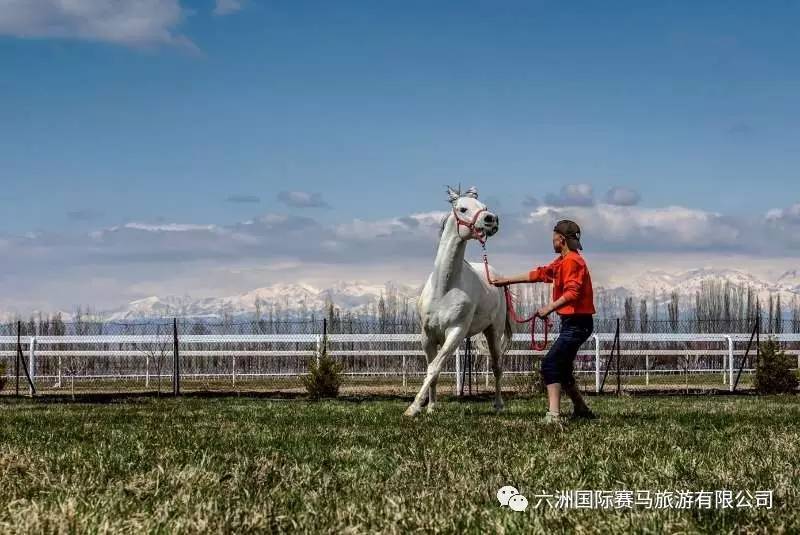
558	242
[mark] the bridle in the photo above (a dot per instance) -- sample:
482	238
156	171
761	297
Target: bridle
471	226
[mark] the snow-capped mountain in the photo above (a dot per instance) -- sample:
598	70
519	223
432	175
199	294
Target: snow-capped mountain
659	285
690	282
790	280
300	299
290	298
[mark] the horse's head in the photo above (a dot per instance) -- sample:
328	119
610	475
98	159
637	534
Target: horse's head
474	219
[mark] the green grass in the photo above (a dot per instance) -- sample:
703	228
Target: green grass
255	465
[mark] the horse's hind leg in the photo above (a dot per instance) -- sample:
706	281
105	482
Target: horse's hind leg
495	352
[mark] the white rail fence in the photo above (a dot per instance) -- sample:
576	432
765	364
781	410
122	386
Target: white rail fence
397	357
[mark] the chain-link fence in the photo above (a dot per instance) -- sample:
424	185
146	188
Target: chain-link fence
377	357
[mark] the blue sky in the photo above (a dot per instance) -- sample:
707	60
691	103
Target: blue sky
191	113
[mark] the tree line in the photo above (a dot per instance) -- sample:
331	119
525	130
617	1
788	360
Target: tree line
717	306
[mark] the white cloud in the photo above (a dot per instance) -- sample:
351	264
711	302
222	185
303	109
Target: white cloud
638	228
790	215
786	222
130	22
572	195
188	257
226	7
424	224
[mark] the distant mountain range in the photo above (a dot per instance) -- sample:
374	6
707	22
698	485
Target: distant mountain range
300	300
292	300
358	297
688	283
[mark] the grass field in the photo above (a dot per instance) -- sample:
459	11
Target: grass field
258	465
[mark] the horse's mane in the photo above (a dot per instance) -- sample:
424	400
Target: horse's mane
442	223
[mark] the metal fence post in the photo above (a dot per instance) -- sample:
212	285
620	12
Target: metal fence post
730	363
755	335
404	372
19	351
58	383
469	356
233	370
459	382
647	369
758	341
21	361
596	363
176	367
32	360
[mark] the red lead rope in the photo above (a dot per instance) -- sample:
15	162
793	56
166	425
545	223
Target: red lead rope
512	313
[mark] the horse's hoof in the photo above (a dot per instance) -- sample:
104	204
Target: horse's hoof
499	407
410	412
429	409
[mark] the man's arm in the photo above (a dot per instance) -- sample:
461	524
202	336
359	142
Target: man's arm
515	279
540	274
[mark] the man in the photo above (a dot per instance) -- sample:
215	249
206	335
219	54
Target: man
573	300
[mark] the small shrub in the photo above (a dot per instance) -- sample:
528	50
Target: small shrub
3	378
774	370
324	376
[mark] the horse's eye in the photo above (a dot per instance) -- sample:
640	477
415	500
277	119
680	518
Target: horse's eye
462	210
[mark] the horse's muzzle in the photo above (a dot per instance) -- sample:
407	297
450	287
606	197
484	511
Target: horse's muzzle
489	224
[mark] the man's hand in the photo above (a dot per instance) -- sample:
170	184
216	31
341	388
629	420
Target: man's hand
500	282
543	312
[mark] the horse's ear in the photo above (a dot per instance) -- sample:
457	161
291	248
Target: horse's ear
452	194
472	192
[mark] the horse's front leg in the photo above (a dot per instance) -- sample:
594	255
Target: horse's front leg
453	337
431	349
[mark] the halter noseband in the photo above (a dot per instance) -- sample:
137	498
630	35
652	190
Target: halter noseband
473	230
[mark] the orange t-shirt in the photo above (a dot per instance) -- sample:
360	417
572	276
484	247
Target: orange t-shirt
570	277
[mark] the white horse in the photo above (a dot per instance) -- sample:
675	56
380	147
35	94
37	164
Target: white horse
458	301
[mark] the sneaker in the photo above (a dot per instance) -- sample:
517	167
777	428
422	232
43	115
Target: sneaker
551	418
583	414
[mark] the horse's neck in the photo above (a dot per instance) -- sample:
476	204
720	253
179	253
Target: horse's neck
449	259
